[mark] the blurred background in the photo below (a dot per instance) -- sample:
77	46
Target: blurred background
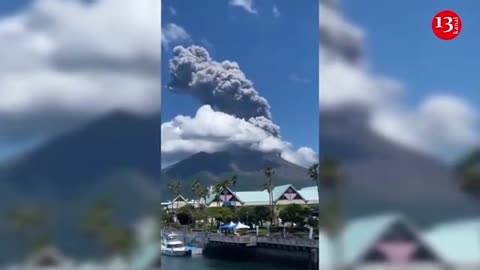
79	130
399	130
80	126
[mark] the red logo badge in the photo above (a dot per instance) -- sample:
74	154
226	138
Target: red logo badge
446	25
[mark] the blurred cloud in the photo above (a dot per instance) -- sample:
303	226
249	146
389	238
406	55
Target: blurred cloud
65	62
441	125
247	5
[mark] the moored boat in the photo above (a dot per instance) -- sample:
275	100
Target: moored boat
171	246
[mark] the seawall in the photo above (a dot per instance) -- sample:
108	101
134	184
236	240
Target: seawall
297	258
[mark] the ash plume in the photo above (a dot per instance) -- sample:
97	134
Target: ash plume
222	85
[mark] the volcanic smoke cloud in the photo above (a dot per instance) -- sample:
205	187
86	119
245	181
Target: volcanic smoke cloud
223	86
233	114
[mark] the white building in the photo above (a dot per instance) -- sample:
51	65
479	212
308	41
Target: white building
285	194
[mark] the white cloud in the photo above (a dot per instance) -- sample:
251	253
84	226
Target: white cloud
276	12
173	33
63	62
303	156
247	5
212	131
442	125
297	78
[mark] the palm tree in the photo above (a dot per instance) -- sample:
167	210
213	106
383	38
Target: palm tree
229	182
217	188
329	174
468	174
268	185
99	224
175	188
329	178
224	184
30	223
313	174
201	193
98	217
118	240
197	190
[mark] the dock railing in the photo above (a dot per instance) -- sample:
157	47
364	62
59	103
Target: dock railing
232	239
299	242
254	240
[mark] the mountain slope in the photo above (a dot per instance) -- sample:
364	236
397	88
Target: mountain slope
246	164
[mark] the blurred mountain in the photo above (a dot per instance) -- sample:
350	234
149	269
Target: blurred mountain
71	163
381	175
115	159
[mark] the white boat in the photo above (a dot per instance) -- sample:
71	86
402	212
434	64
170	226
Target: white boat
171	246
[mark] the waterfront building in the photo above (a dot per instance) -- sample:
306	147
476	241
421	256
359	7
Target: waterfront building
177	202
282	195
383	242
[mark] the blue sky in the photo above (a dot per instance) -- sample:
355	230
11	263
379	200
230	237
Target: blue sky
9	7
400	43
279	54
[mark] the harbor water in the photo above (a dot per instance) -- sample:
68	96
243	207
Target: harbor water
202	263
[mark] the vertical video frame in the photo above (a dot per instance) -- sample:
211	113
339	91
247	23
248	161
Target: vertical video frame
239	135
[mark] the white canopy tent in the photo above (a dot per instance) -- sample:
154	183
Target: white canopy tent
241	226
226	226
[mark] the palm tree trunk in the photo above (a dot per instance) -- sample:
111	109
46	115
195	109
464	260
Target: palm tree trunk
273	211
271	207
204	210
